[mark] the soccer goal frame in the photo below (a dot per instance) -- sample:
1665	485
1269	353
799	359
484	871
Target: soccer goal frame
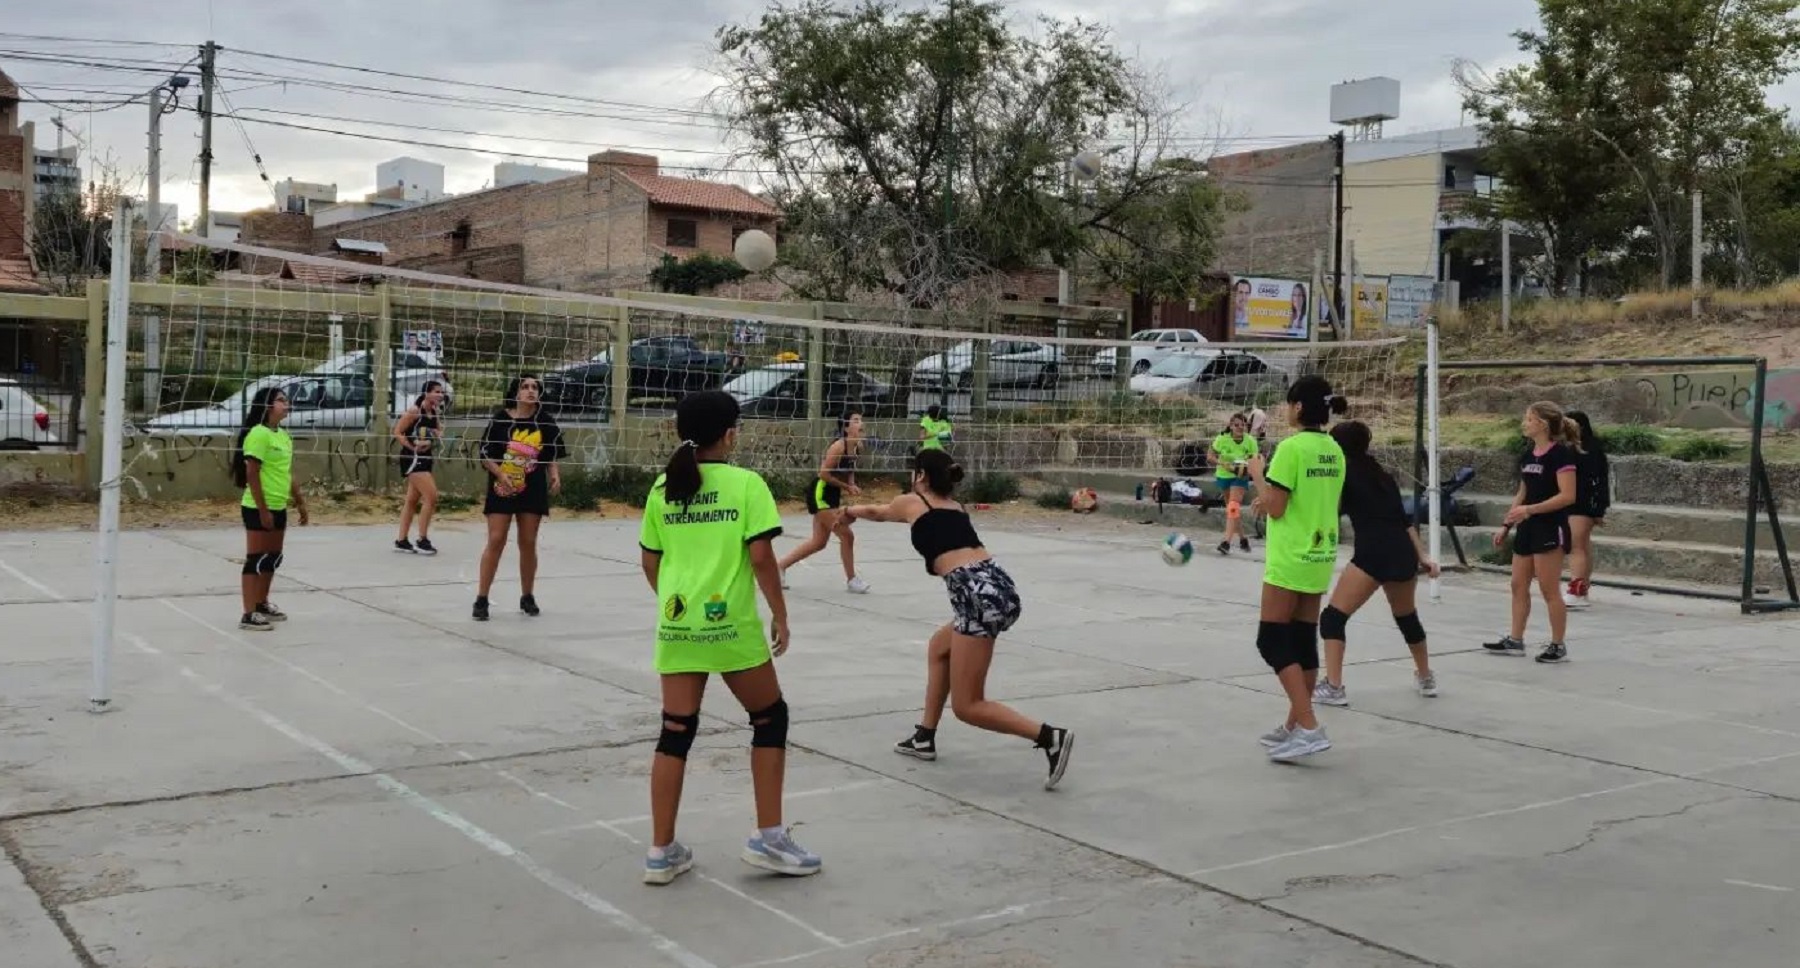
1761	495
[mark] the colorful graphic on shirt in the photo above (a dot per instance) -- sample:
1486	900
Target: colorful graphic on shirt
675	609
715	609
522	450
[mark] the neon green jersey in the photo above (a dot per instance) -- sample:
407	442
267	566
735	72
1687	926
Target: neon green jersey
273	451
937	433
1233	454
705	588
1302	544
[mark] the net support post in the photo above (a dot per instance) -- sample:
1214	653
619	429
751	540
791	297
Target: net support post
1434	482
93	381
981	367
621	357
382	355
815	372
106	553
1754	490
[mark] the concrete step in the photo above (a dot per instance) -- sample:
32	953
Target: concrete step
1669	561
1652	522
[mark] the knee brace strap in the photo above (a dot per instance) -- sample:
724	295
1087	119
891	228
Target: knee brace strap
253	563
769	727
1305	644
1332	624
677	735
1272	642
1234	510
1411	629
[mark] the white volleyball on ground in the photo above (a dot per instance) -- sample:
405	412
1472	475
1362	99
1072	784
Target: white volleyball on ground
755	250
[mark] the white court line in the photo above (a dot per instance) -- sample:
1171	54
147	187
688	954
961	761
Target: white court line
646	818
41	588
450	818
1488	815
1005	912
503	774
1761	887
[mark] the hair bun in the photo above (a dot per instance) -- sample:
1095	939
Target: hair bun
1340	405
956	473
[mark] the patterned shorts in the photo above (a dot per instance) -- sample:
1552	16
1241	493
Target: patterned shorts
983	598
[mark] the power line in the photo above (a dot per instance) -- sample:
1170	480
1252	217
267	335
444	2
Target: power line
477	134
49	38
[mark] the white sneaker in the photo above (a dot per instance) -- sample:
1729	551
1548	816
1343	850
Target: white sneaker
784	579
1326	694
1301	742
1427	684
857	586
1275	737
1573	600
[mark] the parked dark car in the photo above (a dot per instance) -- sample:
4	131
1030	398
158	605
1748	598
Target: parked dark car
779	391
661	366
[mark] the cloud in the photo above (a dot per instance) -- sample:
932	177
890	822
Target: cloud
1265	67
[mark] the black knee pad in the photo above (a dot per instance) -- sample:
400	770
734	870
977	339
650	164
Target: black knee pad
769	727
1411	629
1332	624
676	742
253	563
1305	638
1272	642
273	561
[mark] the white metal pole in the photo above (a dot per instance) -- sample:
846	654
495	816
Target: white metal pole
153	216
1505	276
112	457
1433	474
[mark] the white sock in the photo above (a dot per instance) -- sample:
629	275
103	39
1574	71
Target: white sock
658	853
769	833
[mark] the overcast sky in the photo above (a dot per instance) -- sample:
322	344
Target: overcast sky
1262	67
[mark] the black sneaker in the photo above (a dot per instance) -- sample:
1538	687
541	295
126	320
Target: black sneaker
1224	547
528	604
1506	646
426	547
1061	743
1554	652
921	745
405	547
1244	545
253	622
271	613
481	609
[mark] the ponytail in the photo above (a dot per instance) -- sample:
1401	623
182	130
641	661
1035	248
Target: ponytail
942	472
702	419
1317	401
1561	429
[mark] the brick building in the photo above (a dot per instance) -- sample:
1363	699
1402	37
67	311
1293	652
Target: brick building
17	193
1289	195
598	231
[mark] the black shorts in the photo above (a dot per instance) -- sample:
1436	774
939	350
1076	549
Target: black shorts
983	600
1580	510
1540	536
411	463
823	497
253	519
535	499
1390	561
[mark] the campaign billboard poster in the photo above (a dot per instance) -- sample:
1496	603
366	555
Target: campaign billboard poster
1263	308
1371	306
1410	299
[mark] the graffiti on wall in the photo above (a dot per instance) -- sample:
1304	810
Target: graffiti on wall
1718	399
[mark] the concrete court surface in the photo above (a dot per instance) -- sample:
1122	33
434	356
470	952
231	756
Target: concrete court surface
382	783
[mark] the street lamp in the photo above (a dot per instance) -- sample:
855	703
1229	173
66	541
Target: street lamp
153	218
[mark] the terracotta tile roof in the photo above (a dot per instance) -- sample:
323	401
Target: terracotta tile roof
16	276
704	195
311	275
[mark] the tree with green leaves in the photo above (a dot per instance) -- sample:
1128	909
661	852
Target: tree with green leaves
914	151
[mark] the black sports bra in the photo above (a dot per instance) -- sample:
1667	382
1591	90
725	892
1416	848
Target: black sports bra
940	531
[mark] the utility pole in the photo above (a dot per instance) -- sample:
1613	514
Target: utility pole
153	212
1696	268
208	61
949	202
1337	262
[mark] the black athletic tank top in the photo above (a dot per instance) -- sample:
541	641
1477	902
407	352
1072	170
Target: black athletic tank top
940	531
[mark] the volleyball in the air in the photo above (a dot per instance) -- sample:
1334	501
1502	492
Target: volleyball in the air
1087	165
754	250
1177	549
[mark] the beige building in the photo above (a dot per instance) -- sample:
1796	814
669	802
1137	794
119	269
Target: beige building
1403	199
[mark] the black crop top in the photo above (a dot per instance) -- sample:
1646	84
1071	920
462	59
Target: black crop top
940	531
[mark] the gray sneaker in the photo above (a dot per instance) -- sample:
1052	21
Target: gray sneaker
1275	737
1301	742
781	855
675	861
1426	683
1329	695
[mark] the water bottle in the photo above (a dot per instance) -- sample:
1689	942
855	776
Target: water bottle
1140	490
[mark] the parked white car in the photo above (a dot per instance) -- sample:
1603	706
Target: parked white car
1011	362
412	369
23	420
1150	347
1235	377
331	401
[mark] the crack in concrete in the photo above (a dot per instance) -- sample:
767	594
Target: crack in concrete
42	883
1601	826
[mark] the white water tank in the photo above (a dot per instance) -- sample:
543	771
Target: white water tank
1368	101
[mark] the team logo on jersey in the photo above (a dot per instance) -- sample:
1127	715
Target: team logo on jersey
715	609
675	609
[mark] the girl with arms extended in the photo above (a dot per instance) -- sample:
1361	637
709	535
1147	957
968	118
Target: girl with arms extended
1539	524
1388	558
519	450
1299	490
418	434
263	464
708	546
983	602
837	477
